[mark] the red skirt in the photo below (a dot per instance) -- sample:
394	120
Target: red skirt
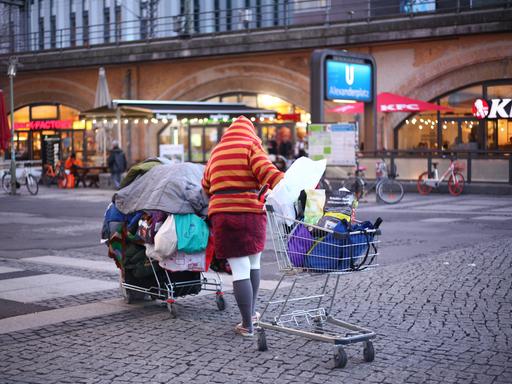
238	234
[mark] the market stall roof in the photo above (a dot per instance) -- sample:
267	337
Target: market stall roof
176	109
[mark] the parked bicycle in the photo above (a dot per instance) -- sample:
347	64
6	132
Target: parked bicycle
26	179
387	188
426	182
55	175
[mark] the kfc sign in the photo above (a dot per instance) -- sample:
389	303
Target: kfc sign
399	107
495	109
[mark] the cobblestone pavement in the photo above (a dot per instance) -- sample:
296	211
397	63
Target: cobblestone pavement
442	319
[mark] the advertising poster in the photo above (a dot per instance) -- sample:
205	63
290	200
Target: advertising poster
335	142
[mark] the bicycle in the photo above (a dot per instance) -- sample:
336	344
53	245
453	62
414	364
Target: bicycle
55	175
26	179
389	190
456	181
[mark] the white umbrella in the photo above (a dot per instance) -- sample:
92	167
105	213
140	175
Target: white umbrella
102	99
102	93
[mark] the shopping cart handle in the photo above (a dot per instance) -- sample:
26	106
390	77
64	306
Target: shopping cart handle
262	193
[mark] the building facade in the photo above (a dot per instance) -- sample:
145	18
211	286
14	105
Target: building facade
258	52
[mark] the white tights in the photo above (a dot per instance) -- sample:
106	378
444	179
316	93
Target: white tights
241	266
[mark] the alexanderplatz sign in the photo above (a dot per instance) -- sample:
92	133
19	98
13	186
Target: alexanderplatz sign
341	76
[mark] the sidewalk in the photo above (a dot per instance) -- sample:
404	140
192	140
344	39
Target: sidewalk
441	319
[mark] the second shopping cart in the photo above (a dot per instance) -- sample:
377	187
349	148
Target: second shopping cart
317	255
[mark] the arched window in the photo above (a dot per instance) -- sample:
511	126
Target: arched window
458	128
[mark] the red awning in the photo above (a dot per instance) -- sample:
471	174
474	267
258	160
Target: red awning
389	102
5	131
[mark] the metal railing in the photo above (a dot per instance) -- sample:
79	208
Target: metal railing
279	14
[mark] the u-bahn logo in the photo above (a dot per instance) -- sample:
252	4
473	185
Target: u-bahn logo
349	74
494	109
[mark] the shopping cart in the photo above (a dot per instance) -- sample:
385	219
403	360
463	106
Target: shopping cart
305	252
168	286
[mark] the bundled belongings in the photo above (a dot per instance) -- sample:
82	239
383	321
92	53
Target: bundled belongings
156	233
324	235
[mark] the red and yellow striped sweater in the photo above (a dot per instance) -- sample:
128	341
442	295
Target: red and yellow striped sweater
238	163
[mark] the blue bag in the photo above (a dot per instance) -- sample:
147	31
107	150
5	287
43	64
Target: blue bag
339	251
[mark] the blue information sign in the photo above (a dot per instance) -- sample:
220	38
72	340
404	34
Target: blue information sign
348	81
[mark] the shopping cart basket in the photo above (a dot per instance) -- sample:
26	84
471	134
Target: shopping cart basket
164	285
307	252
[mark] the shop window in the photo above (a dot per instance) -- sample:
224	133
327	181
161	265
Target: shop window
504	134
78	145
67	113
36	145
499	91
461	102
229	99
44	112
420	132
250	100
196	144
210	140
21	115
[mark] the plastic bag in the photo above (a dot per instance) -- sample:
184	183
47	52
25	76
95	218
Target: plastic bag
192	233
304	174
315	202
166	241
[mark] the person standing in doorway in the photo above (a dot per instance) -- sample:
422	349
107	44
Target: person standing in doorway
237	169
116	163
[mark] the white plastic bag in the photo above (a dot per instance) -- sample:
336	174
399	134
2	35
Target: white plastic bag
304	173
166	241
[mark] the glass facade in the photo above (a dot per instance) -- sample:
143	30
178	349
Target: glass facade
54	24
458	128
199	136
34	124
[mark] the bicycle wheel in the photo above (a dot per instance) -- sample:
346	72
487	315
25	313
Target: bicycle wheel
456	184
390	191
423	189
6	182
32	185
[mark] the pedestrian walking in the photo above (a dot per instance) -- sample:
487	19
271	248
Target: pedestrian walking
116	163
237	168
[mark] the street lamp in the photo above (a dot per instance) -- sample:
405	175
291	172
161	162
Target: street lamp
11	72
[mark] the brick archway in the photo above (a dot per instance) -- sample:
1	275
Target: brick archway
243	77
483	63
54	90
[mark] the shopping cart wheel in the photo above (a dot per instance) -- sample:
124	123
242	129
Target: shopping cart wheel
340	357
172	309
368	351
262	340
221	302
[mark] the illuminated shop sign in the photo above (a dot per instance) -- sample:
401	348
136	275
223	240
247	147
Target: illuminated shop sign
348	81
44	124
492	109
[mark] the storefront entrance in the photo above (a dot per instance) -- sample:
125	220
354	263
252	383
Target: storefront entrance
38	125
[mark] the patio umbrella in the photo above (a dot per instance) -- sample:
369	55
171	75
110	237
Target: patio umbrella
5	131
103	99
390	102
102	93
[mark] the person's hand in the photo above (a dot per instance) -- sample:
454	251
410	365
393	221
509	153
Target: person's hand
262	194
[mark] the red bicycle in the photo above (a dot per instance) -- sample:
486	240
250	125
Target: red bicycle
426	182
